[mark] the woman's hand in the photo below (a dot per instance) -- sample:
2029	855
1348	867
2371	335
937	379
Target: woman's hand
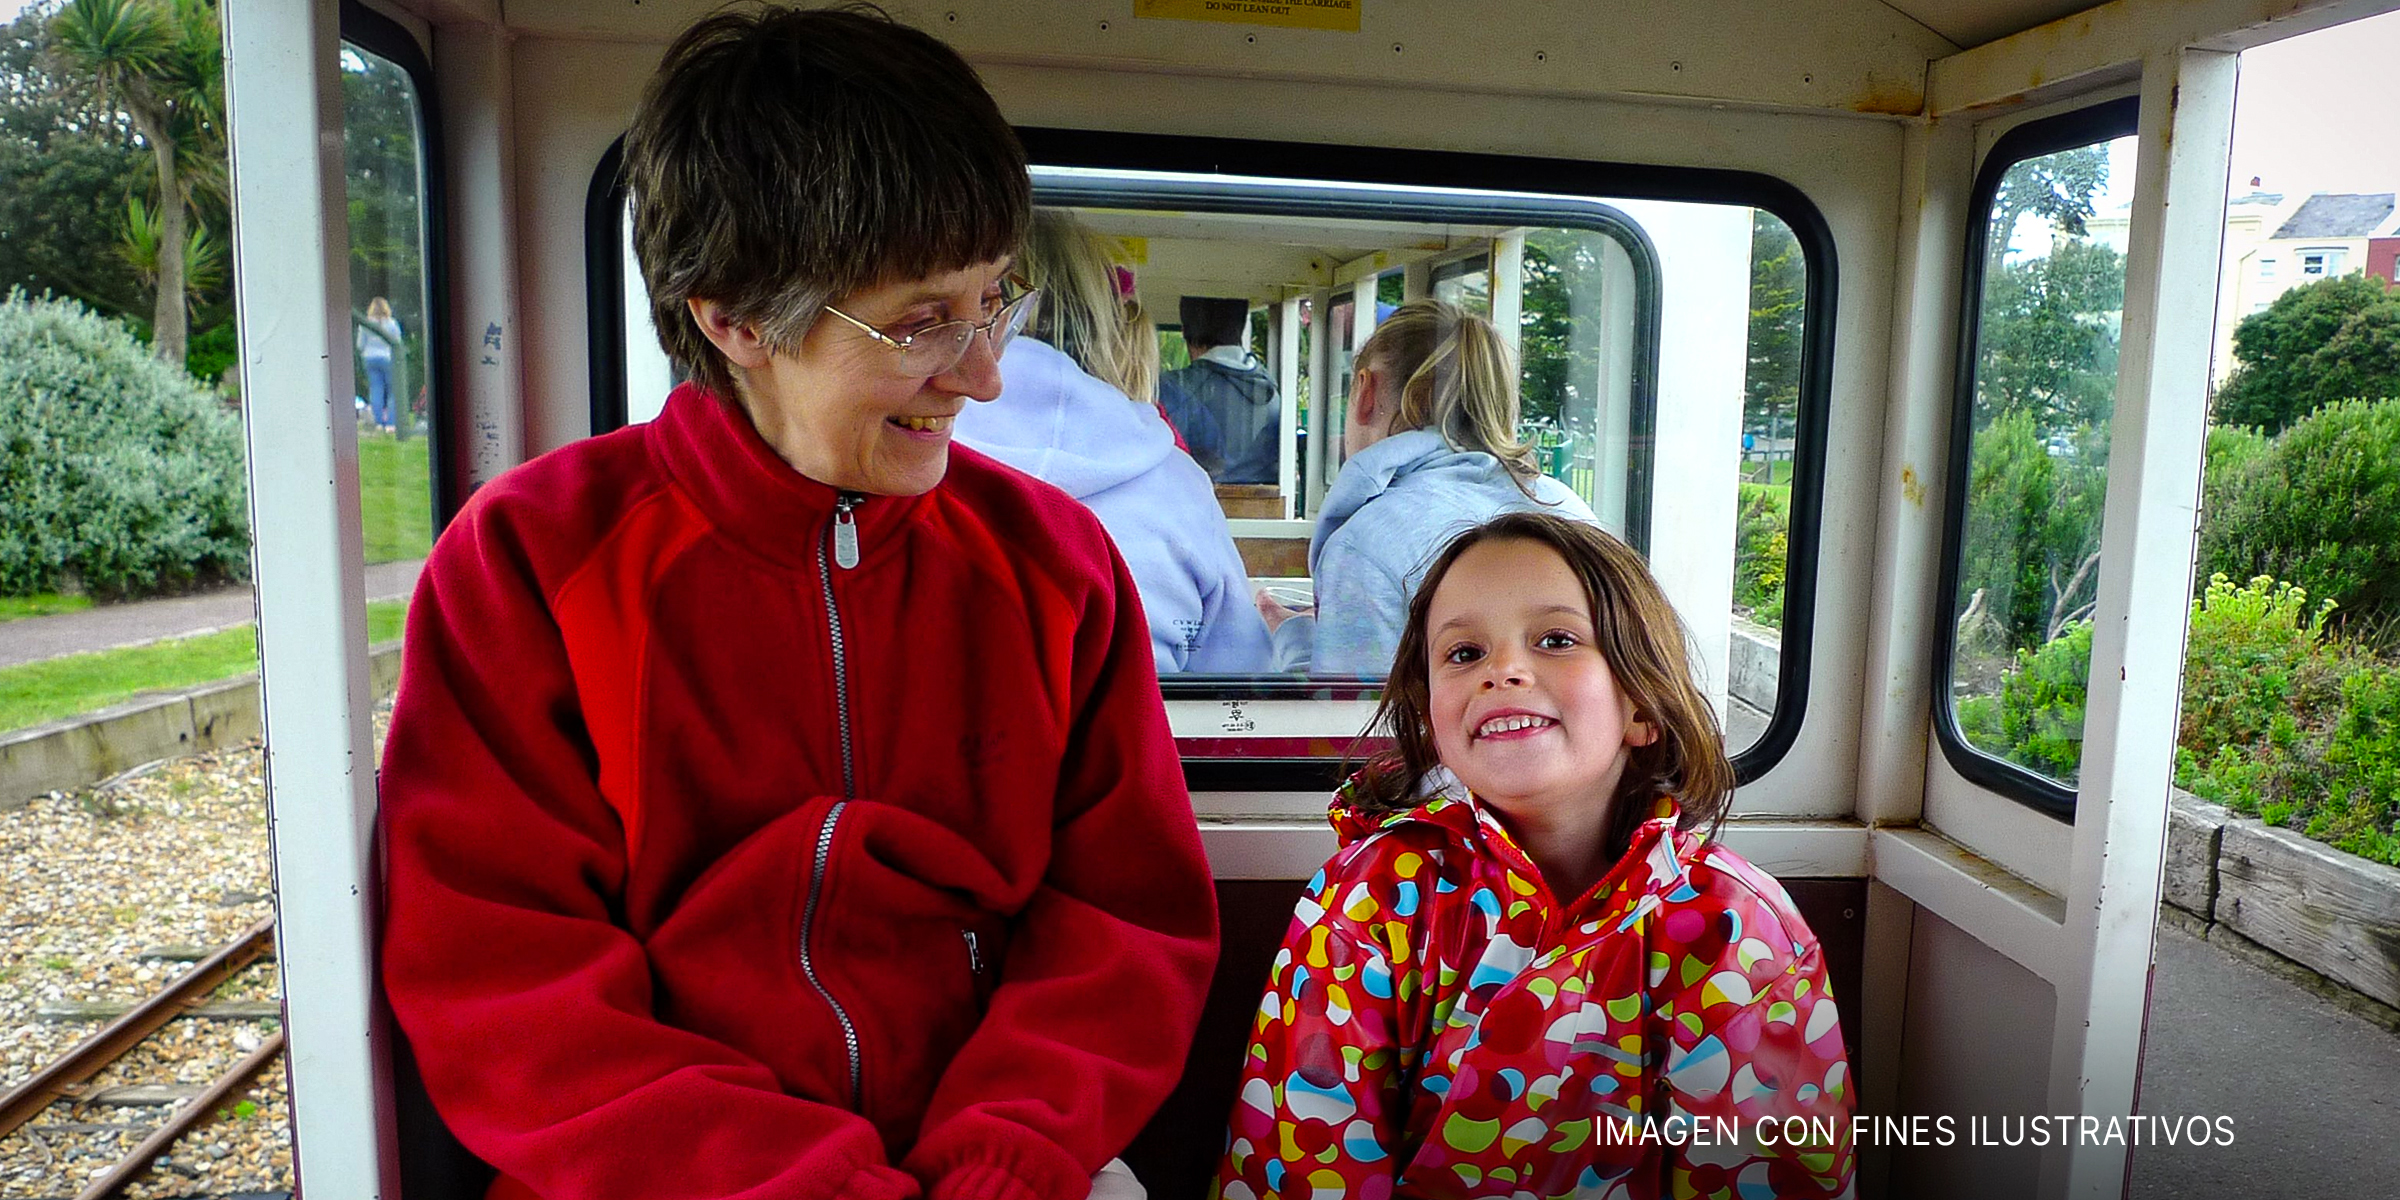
1274	610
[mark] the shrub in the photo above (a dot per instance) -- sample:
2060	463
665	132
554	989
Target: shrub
1762	552
2279	720
212	353
2282	722
124	476
2320	509
2255	655
2036	720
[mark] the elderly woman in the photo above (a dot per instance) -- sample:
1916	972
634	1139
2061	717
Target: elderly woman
1430	451
767	814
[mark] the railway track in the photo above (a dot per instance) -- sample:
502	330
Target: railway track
67	1077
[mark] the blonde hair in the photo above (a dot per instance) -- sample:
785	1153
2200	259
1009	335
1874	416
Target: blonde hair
1081	311
379	309
1142	373
1458	379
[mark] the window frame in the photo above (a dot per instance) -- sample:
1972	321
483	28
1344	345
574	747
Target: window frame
390	41
2096	124
1539	191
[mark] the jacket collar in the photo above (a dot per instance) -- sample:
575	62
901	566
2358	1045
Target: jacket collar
717	458
1649	873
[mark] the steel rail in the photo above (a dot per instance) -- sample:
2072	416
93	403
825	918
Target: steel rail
197	1111
97	1051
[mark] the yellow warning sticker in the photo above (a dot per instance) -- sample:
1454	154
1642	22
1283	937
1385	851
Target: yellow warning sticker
1133	251
1339	15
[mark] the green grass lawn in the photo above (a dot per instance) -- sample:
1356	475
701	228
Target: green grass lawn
44	691
395	496
1776	473
41	605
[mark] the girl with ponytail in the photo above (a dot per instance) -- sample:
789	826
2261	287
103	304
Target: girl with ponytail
1431	450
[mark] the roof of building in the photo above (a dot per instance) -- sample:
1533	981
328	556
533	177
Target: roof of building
2338	215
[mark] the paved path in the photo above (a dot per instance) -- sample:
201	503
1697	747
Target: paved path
106	626
2310	1087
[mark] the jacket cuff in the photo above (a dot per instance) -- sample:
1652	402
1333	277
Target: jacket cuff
1293	641
980	1183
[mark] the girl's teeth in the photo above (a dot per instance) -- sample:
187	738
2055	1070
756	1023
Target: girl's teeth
1511	724
923	424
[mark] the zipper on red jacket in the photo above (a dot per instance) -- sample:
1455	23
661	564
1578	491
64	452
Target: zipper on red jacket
808	966
842	537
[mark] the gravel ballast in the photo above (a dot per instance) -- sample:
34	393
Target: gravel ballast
174	855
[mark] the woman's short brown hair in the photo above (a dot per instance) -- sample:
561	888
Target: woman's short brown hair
782	158
1647	649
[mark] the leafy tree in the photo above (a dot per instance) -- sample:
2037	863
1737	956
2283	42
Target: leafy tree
2047	343
1778	298
1559	326
63	158
2032	546
2325	341
160	62
2057	187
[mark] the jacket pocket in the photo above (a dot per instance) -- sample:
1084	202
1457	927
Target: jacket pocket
725	963
913	922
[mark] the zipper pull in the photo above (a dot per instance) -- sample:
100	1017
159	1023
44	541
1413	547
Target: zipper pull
974	951
845	530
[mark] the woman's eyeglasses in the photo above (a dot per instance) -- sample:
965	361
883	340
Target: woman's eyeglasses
935	349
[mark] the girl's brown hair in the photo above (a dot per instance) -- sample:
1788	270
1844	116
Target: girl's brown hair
1646	646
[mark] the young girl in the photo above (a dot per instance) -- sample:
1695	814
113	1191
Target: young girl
1530	971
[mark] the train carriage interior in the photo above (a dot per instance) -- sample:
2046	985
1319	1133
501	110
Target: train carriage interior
1605	185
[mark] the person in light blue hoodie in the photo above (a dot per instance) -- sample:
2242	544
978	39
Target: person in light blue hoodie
1077	410
1431	451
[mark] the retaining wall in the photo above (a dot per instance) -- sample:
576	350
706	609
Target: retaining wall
79	751
1753	664
2336	914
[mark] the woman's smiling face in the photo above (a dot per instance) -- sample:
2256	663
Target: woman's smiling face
1526	710
840	409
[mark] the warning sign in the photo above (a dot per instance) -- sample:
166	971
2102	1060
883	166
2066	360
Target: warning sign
1339	15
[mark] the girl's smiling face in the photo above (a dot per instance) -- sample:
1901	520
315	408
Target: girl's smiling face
1525	708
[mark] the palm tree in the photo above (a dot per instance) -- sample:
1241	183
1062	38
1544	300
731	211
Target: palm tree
161	62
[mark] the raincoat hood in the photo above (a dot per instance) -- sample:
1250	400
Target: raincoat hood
1056	423
1418	458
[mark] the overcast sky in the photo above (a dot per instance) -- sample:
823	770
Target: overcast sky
2315	113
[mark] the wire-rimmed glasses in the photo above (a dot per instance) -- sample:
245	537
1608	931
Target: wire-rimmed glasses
937	348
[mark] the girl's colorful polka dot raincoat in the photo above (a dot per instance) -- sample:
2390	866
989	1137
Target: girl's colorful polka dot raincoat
1439	1025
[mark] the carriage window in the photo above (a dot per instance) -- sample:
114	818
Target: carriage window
1657	343
649	374
390	325
2036	406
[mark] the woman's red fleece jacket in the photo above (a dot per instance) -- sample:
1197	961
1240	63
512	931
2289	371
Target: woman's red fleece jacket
747	839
